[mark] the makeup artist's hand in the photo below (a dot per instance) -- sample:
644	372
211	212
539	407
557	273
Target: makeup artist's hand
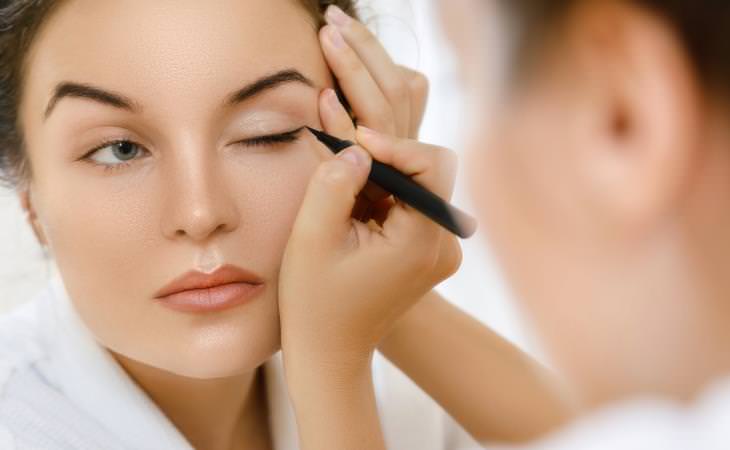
356	260
344	283
389	99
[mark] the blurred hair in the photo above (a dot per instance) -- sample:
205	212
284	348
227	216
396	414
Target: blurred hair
20	21
702	25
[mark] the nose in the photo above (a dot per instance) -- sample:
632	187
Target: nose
198	203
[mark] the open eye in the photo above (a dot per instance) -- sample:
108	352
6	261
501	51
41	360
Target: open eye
115	154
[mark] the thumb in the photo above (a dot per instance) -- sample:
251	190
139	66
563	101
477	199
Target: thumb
324	217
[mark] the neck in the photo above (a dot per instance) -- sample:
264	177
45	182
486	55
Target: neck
212	414
668	330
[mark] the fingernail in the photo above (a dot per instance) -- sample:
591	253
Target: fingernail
332	100
336	16
353	156
336	37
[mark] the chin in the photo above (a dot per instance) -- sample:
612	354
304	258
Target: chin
217	369
203	358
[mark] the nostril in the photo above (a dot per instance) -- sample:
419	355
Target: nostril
201	230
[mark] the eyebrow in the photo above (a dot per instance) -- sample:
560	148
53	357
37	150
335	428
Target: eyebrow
82	90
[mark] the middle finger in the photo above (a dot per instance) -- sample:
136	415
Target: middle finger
371	107
386	74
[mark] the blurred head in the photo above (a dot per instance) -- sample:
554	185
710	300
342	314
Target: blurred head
601	171
153	172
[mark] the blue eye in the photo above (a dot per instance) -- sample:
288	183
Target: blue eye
114	154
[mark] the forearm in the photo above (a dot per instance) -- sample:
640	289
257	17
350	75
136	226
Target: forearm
492	388
334	403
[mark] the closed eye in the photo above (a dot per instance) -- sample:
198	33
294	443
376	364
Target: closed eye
272	139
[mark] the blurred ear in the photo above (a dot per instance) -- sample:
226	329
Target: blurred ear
643	114
26	203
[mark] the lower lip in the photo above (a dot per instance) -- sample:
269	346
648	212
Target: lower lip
212	299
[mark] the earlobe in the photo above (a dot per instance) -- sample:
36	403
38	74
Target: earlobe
26	204
648	139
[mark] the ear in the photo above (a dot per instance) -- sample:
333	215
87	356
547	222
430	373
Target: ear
642	139
26	203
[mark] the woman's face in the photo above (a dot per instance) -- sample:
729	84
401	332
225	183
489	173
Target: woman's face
186	192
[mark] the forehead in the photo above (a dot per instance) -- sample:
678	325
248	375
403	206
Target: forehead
189	49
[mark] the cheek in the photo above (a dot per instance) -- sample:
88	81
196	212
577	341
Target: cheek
273	195
87	226
108	245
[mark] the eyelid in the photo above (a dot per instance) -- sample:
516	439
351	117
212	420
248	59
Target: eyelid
287	136
103	143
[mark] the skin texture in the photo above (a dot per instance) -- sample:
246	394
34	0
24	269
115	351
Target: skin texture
190	190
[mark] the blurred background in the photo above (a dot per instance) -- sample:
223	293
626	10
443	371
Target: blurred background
411	32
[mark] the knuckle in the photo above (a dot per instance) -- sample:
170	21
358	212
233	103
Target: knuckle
422	259
396	89
451	258
448	155
419	84
419	267
449	160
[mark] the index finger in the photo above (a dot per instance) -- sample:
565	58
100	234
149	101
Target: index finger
386	74
431	166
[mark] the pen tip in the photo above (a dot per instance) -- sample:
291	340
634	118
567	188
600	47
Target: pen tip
313	131
333	143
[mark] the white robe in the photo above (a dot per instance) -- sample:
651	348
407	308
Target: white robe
648	423
60	389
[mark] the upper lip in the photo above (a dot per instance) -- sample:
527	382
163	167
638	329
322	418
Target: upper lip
199	280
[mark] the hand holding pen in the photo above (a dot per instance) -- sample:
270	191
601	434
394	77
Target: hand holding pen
358	258
343	284
402	186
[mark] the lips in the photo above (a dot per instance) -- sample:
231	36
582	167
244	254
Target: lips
199	292
197	280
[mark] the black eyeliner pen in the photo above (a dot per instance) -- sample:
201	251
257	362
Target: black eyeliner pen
409	192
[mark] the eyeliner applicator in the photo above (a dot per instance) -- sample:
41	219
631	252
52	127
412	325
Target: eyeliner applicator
408	191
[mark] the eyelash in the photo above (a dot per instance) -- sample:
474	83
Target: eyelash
259	141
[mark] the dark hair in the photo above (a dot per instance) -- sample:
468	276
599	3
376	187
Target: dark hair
20	21
702	26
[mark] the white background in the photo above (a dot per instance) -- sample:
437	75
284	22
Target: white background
411	33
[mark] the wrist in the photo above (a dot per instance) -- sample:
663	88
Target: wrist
334	403
337	378
336	363
405	327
